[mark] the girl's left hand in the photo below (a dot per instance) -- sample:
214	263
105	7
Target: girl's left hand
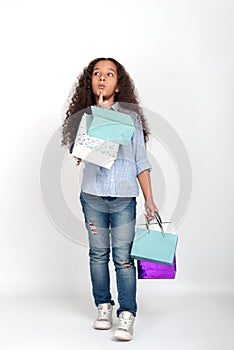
150	209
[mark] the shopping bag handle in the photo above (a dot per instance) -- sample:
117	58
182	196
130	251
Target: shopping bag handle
159	221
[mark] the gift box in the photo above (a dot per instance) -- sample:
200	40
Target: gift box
93	149
111	125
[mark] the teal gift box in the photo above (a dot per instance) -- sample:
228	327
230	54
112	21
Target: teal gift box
154	246
111	125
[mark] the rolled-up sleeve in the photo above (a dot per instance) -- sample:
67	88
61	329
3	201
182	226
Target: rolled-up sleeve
141	159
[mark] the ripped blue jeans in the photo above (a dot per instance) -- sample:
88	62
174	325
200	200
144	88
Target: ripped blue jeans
110	222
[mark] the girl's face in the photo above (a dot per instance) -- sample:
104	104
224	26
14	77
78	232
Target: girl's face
104	80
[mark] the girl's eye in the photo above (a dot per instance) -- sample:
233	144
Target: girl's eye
98	74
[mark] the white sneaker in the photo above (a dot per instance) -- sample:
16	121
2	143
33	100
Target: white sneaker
124	330
104	319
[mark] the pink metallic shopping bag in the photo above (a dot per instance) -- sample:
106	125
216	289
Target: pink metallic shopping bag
150	270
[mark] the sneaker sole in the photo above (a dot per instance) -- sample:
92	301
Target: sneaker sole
122	337
102	327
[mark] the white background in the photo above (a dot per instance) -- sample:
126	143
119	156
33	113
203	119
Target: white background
180	55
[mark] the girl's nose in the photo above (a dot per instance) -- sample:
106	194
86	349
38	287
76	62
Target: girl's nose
102	78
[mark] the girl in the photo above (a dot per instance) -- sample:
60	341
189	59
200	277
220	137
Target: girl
108	196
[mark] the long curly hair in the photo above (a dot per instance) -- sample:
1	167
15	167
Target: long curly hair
83	98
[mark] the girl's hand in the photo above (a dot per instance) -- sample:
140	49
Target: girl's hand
150	209
102	104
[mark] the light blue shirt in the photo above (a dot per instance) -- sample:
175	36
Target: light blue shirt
121	179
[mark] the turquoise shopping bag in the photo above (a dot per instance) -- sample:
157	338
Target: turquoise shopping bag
154	246
111	125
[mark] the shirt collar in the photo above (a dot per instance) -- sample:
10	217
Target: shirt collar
115	106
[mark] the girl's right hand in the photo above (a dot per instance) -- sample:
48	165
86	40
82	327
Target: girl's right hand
103	104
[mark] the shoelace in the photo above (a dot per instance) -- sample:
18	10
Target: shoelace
125	324
103	314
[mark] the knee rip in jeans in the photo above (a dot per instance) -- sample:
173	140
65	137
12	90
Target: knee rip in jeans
93	228
127	264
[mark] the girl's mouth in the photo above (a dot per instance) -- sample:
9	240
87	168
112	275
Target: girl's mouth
101	86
